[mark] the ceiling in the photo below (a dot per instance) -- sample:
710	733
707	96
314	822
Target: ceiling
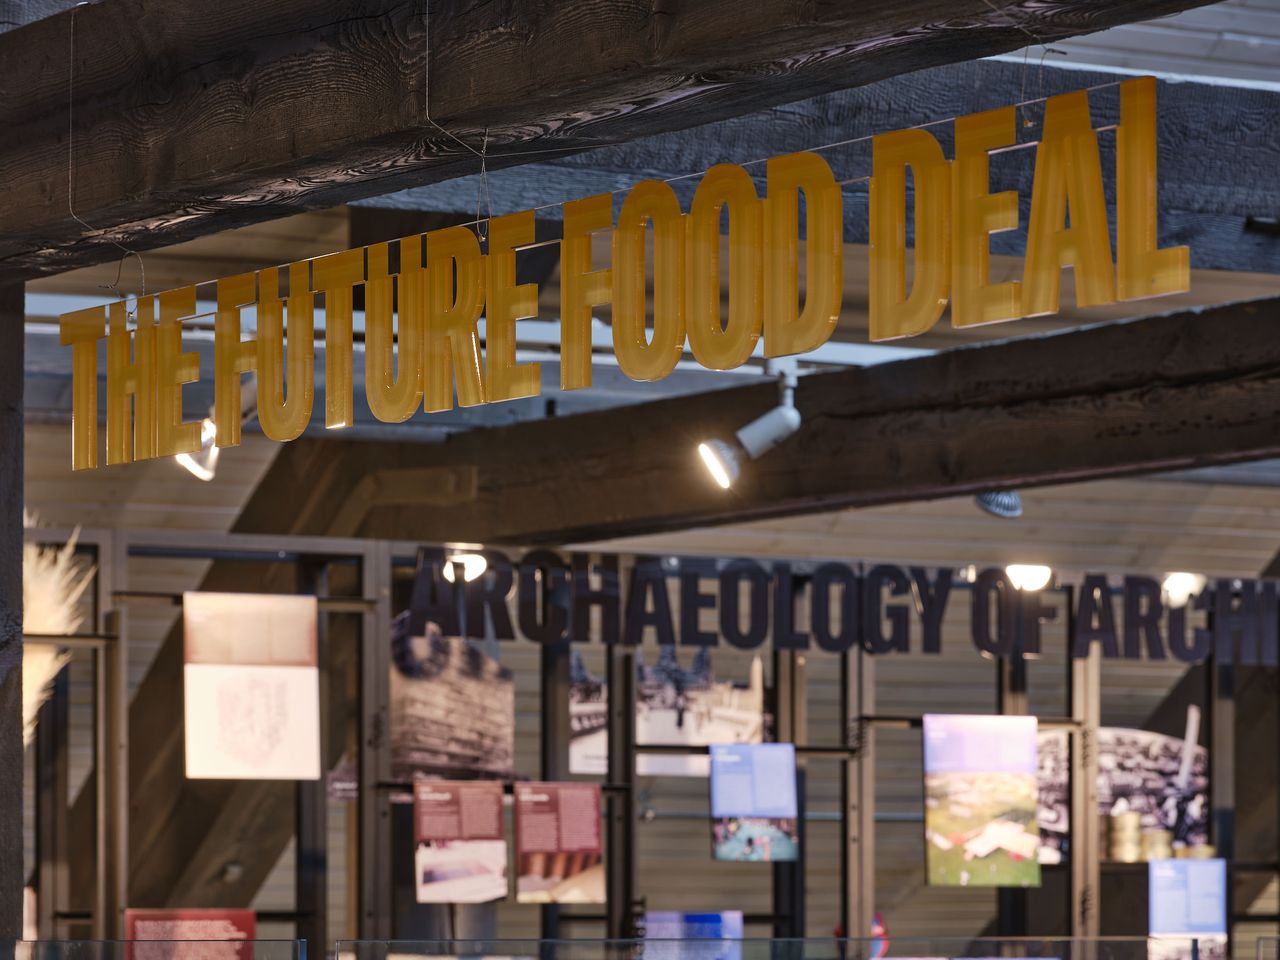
1237	40
1223	521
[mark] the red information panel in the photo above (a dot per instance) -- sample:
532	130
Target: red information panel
212	934
461	854
558	843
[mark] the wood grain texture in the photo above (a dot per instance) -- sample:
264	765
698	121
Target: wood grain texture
1162	393
12	870
197	117
1219	154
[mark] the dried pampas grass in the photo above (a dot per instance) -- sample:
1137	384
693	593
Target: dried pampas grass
52	584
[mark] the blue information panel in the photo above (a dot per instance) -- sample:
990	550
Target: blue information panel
753	780
753	802
1188	898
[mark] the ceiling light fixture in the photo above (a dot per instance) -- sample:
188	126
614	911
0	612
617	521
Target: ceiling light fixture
1028	576
473	566
1006	504
724	458
1179	587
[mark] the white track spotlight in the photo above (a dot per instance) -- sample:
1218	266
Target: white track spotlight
203	464
723	458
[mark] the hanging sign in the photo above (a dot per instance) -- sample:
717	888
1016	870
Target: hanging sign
980	801
250	686
832	606
559	845
754	809
461	854
192	933
425	294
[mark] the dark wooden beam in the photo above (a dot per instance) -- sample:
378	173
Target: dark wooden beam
1219	150
196	117
1162	393
12	871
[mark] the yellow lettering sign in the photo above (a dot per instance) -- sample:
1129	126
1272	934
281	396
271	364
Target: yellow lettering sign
661	282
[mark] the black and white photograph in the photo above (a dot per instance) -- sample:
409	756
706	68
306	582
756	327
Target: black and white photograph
675	705
452	707
1163	778
1053	776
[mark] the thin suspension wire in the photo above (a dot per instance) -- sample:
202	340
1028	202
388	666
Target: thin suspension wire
71	102
750	163
1036	40
426	98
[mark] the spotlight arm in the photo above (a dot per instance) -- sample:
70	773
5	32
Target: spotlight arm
786	370
764	433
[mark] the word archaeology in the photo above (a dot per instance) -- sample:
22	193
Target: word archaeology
830	606
424	296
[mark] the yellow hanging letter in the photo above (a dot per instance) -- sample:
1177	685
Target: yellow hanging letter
976	213
1142	270
82	329
893	313
174	368
640	359
1068	180
231	355
724	346
453	342
131	377
787	329
508	303
581	288
285	399
393	361
335	275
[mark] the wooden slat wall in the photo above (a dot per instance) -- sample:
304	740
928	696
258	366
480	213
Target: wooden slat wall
1140	525
153	494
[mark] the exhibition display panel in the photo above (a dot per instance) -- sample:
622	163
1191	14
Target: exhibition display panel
717	948
188	945
914	762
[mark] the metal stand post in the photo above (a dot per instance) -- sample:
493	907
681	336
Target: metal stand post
859	704
1011	902
112	743
554	703
620	801
1222	722
52	884
790	726
1086	853
311	810
374	757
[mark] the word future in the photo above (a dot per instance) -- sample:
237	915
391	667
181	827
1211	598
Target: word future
425	295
